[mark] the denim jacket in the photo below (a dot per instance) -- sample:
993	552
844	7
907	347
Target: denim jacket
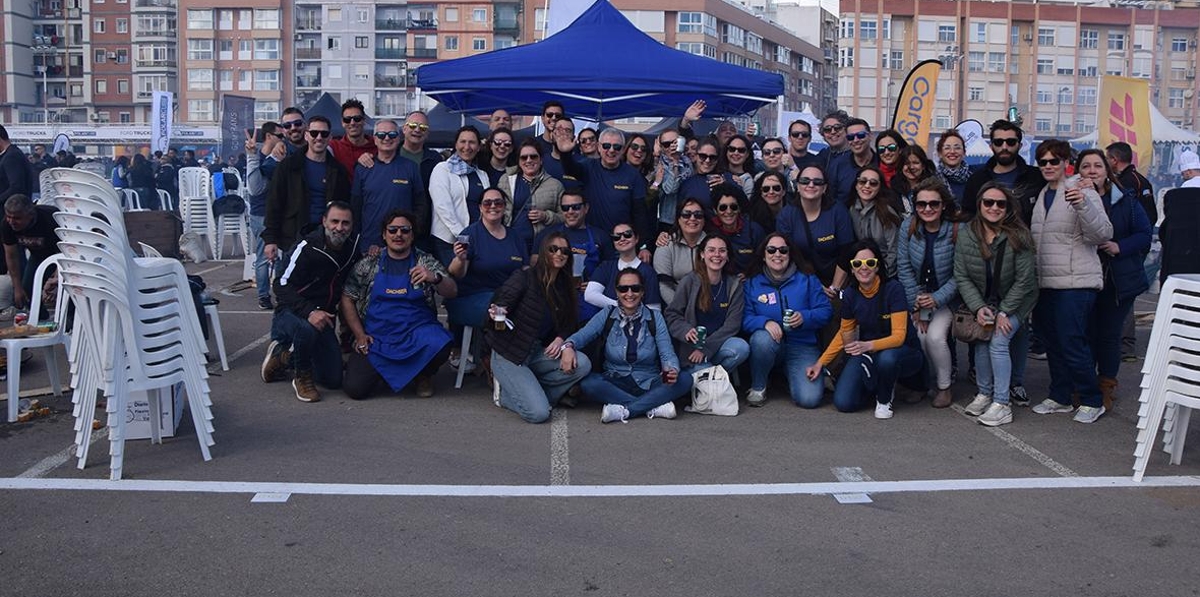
653	355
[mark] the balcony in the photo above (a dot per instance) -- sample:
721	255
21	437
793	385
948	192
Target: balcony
428	53
422	24
506	23
391	24
308	24
159	4
308	80
391	53
308	53
391	81
162	63
57	72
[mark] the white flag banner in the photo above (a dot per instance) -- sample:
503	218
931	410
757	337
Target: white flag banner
160	121
564	12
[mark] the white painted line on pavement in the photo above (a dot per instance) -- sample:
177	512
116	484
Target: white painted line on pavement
55	460
270	498
211	269
560	456
851	474
1016	443
216	366
600	491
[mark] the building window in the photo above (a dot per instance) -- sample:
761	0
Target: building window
1066	95
975	62
1045	95
225	19
941	123
200	79
867	30
887	28
975	94
947	34
245	81
1045	36
733	35
847	29
451	42
200	110
539	20
845	57
897	61
200	19
268	49
1178	44
266	18
479	15
451	15
1088	66
266	80
1045	66
334	14
1014	35
361	42
1142	67
98	26
123	86
979	33
200	49
225	80
479	44
1116	41
224	49
264	111
333	42
363	15
98	56
1042	125
1178	74
690	22
245	20
1089	39
1175	98
122	25
996	62
101	86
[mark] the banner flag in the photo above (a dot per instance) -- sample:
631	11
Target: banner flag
971	130
914	106
160	120
1124	115
237	115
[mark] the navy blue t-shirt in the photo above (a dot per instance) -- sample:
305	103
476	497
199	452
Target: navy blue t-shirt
697	187
474	196
714	318
832	231
1006	180
743	244
492	259
314	178
874	315
384	188
520	211
616	196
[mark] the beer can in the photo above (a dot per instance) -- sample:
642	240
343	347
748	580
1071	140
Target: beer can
21	318
787	314
701	335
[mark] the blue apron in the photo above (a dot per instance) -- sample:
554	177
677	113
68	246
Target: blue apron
406	331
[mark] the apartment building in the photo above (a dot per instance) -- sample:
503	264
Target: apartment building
1046	59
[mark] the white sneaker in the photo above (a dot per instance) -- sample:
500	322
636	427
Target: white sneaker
614	412
978	405
662	411
455	362
1050	407
756	397
883	411
996	415
1088	414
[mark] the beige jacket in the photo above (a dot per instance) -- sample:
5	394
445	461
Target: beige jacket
1066	238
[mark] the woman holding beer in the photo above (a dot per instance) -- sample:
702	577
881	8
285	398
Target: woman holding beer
706	315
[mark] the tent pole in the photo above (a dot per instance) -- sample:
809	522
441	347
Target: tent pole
780	125
545	25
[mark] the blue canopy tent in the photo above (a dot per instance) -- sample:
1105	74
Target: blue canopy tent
600	67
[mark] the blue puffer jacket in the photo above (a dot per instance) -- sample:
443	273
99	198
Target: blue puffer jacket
1131	231
910	255
766	300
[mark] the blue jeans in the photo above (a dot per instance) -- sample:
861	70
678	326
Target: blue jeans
766	354
1062	318
1018	350
262	267
993	364
612	389
1108	322
874	375
313	350
733	352
531	388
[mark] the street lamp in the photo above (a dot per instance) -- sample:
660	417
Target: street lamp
1058	111
42	45
951	59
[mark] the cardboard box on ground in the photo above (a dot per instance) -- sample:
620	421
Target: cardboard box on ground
137	412
159	229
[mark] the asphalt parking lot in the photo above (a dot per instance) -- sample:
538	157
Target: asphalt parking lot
453	496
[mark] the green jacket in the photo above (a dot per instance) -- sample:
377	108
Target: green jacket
1018	275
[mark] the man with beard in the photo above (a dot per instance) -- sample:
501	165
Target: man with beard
1008	170
354	143
291	128
833	130
500	119
799	136
309	290
307	182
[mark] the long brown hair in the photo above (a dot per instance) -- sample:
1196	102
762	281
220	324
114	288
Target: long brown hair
1012	225
704	301
884	211
949	208
556	286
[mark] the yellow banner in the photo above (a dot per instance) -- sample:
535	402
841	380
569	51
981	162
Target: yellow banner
914	107
1124	115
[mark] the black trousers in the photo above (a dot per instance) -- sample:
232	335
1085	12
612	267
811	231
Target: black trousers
361	379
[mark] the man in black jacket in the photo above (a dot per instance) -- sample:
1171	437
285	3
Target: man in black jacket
1006	168
309	288
16	173
306	183
1120	159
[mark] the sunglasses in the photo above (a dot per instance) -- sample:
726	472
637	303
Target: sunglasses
724	207
689	214
800	135
772	188
928	205
833	128
561	250
292	124
735	149
1009	141
317	134
994	202
572	206
776	151
492	203
501	143
889	148
416	126
553	115
611	146
638	147
805	181
634	288
619	236
400	229
781	250
349	119
530	157
387	135
706	157
868	182
588	139
1049	162
871	263
858	136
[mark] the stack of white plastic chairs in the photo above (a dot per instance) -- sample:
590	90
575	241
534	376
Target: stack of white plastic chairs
195	205
237	225
135	324
1171	373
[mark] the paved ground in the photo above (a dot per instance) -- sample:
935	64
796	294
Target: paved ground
452	496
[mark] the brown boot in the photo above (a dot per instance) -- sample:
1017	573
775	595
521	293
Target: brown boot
306	389
943	398
1108	390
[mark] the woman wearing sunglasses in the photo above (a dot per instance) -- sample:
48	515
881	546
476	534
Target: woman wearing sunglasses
455	189
601	290
925	266
711	170
639	153
915	167
872	214
1069	224
1124	275
994	270
672	168
887	148
533	195
739	162
771	194
952	167
785	308
710	298
775	159
634	368
388	304
536	310
674	260
731	221
875	333
497	158
820	228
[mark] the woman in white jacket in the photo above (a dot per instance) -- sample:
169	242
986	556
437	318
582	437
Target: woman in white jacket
455	189
1069	223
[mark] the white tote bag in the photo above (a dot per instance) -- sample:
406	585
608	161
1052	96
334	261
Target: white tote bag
712	393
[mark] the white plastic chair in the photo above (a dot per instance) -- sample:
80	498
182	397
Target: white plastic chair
195	205
237	225
131	200
210	311
164	200
13	346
